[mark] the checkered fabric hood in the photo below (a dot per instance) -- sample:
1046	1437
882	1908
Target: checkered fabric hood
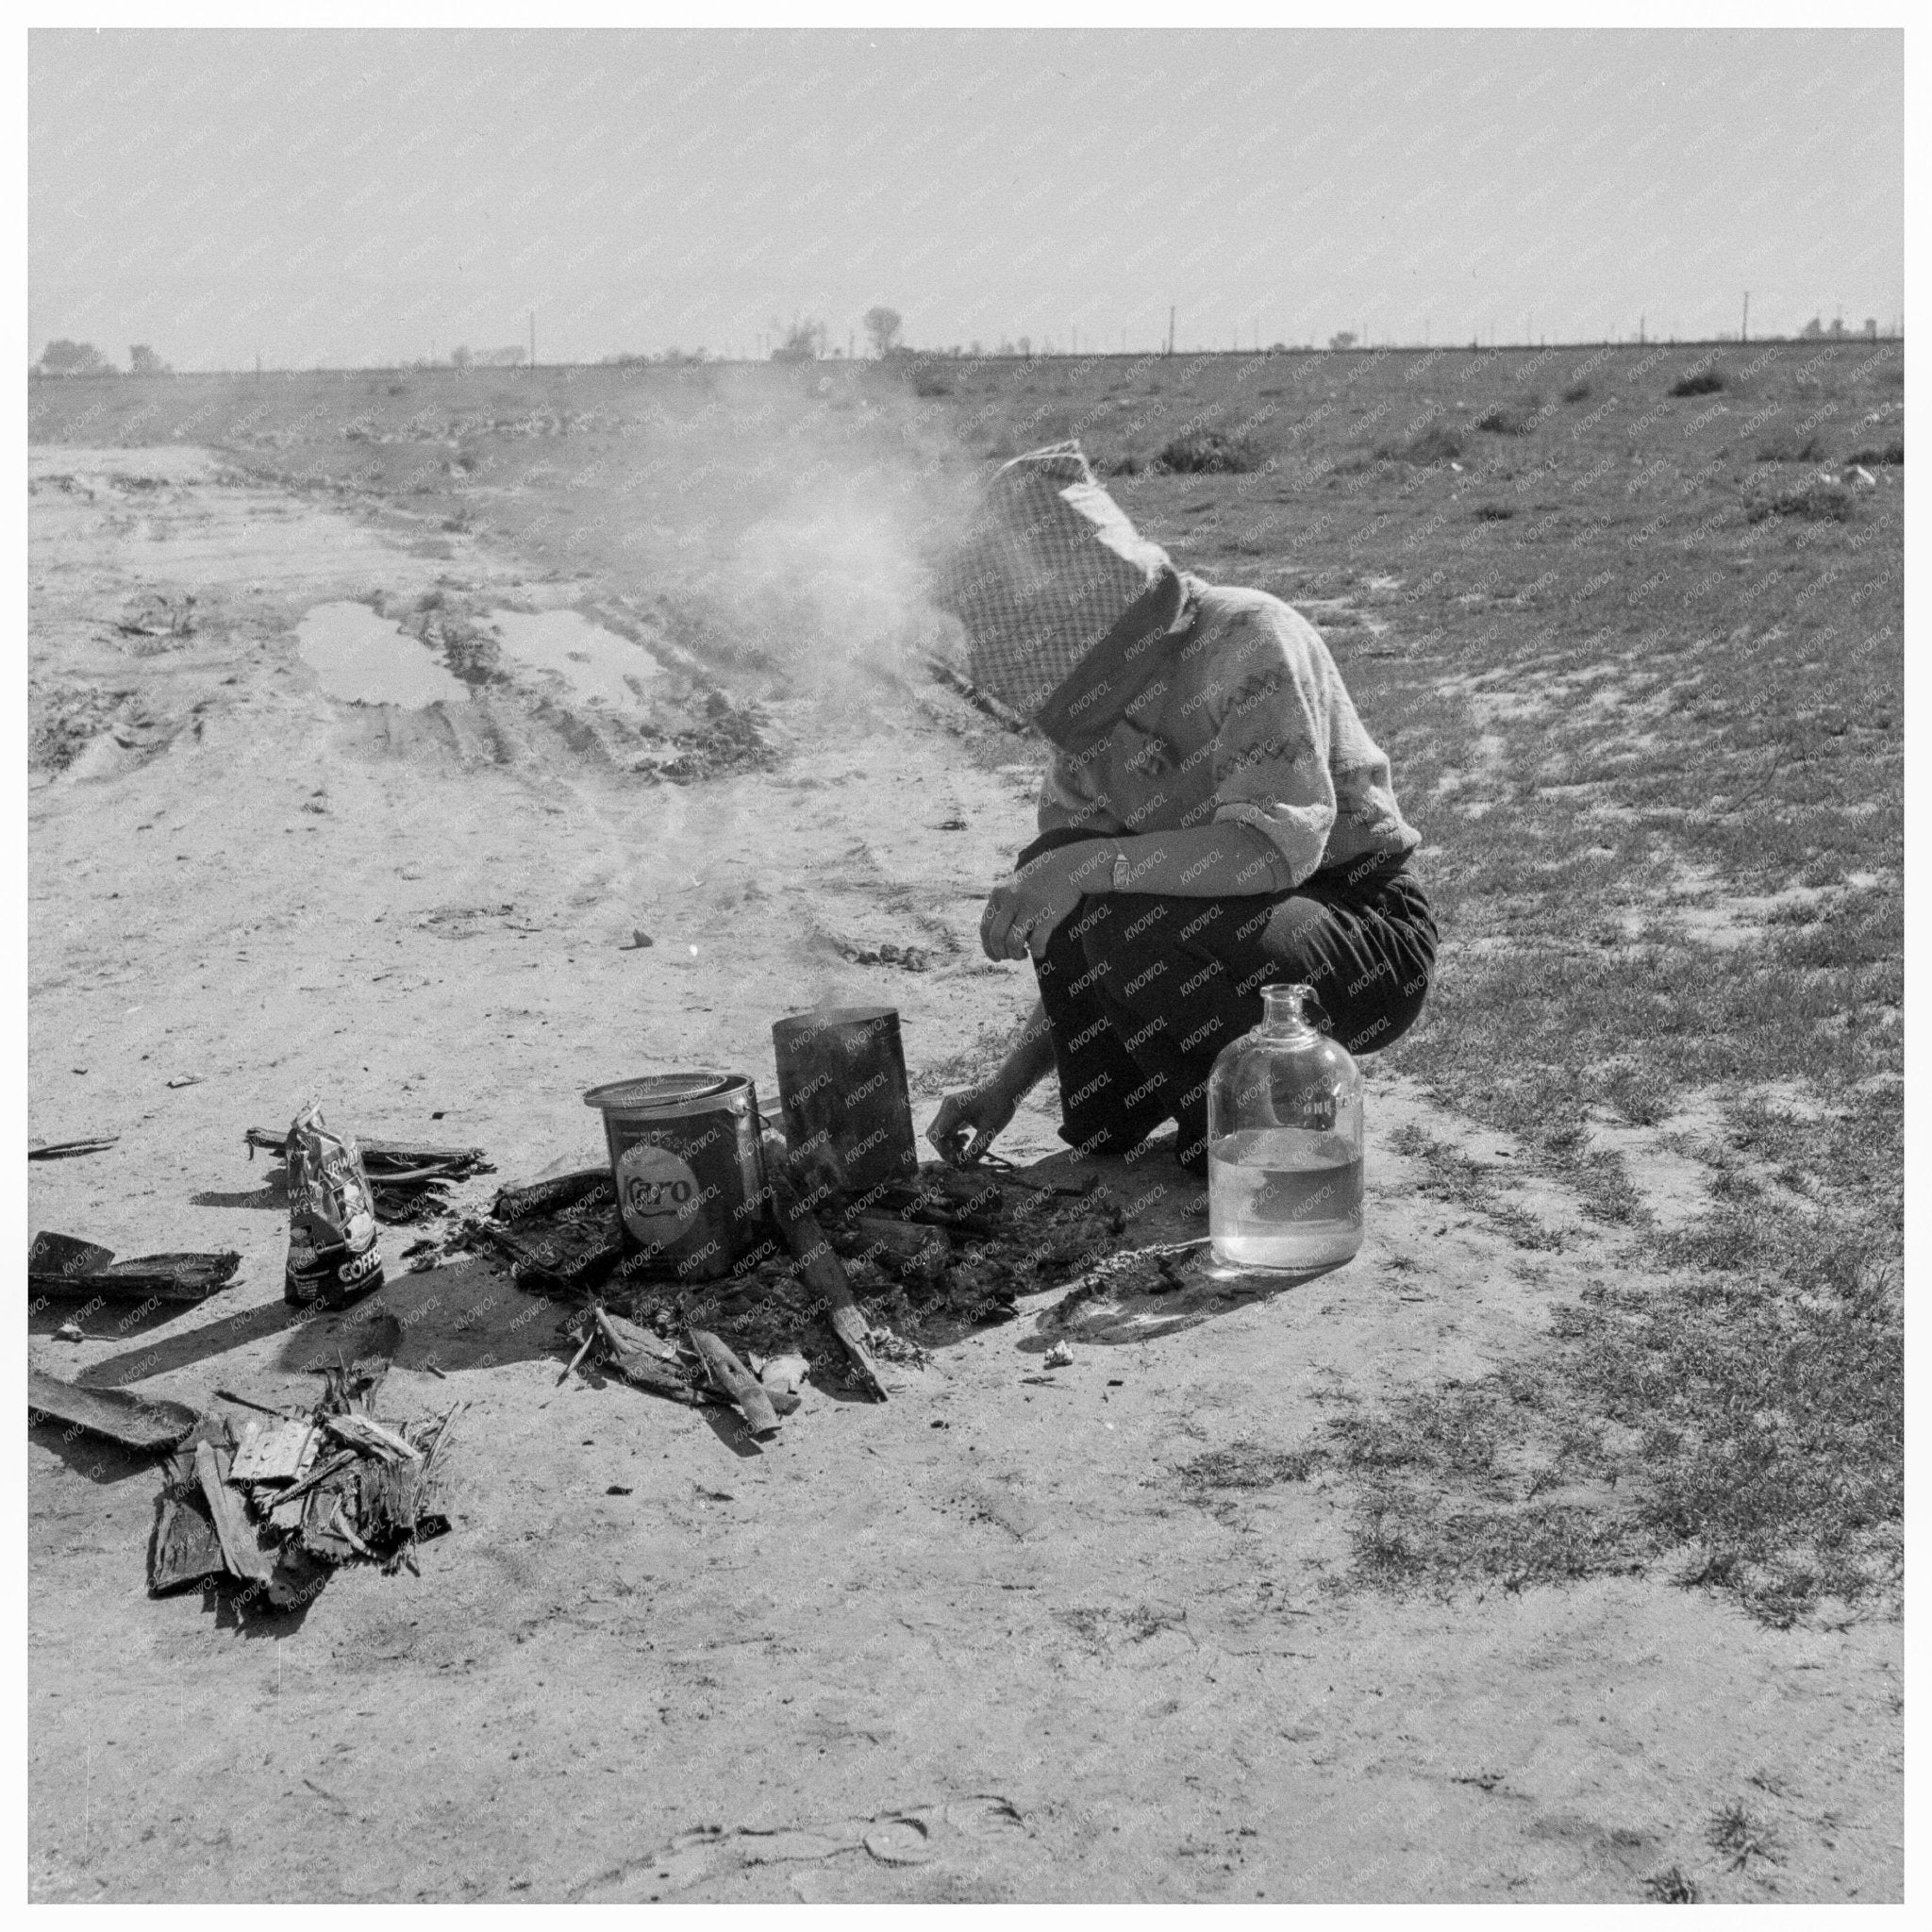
1049	565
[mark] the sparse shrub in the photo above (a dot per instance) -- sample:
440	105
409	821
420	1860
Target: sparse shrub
1782	451
1700	382
1818	502
932	382
1435	444
1507	419
1577	393
1892	452
1495	512
1670	1887
1208	452
1128	465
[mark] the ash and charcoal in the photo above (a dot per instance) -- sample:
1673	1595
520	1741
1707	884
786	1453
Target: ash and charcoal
926	1263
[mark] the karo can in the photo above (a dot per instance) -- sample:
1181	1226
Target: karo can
841	1083
688	1164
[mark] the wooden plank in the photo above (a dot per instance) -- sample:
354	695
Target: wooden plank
277	1453
731	1377
186	1548
365	1433
240	1546
140	1421
645	1362
826	1273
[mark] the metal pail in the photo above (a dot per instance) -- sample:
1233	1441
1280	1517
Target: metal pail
841	1083
688	1169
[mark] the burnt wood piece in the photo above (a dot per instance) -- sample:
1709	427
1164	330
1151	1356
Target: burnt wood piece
364	1433
316	1477
62	1264
241	1546
574	1248
514	1203
186	1549
324	1510
391	1160
137	1422
642	1359
731	1377
68	1150
826	1275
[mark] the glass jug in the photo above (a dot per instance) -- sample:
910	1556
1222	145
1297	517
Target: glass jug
1285	1143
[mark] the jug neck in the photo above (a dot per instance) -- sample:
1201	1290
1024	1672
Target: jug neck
1284	1014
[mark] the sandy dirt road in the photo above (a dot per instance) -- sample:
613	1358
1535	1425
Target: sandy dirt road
990	1641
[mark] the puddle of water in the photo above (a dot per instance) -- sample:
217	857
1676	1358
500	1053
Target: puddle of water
364	659
597	662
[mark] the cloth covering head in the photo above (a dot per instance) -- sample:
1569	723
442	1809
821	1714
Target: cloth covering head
1049	566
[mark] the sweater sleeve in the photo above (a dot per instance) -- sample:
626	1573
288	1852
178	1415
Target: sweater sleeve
1271	743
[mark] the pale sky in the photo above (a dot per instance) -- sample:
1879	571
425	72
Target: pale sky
349	198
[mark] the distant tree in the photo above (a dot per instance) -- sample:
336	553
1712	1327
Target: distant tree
882	326
460	357
1025	347
1813	327
1344	340
141	360
972	348
73	359
805	341
511	357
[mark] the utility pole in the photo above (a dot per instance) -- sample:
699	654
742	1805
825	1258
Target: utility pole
1745	333
1639	331
1170	329
533	340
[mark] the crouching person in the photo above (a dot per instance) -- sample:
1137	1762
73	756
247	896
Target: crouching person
1215	819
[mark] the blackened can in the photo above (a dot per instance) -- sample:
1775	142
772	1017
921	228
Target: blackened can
841	1083
688	1165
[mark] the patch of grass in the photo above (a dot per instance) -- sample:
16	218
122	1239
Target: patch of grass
1438	444
1494	512
1578	393
1787	450
1248	1465
1755	1417
1817	501
1700	382
1670	1887
1449	1175
1738	1837
1207	453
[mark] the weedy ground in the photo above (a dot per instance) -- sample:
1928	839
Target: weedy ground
1631	633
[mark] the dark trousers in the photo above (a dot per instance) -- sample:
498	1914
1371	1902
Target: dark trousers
1142	990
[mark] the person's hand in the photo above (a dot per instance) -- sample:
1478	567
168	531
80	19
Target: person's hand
1023	911
968	1123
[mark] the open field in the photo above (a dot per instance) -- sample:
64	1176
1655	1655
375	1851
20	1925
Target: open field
1581	1488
